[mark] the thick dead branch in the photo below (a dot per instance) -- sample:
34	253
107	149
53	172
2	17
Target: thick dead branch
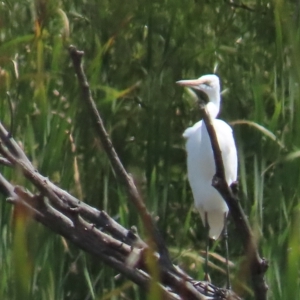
258	265
123	176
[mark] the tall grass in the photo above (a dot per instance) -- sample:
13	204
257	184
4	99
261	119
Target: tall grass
134	53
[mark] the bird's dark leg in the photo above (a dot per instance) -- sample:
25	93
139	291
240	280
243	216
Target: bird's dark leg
225	233
206	276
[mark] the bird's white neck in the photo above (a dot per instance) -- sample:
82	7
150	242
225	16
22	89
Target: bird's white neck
213	106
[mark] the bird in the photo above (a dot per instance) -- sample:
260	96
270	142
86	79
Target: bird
200	160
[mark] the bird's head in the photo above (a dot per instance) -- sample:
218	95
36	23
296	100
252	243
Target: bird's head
210	86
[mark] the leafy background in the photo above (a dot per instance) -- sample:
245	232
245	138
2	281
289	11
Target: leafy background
134	53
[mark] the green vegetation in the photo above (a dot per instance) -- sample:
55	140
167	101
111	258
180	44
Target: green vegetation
134	53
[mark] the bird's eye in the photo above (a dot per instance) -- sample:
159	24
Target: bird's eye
206	84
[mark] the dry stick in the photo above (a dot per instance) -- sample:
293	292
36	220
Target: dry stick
12	145
258	265
5	162
119	169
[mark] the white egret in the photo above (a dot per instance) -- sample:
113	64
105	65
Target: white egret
200	161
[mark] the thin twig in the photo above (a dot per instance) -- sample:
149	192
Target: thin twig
239	5
5	162
12	145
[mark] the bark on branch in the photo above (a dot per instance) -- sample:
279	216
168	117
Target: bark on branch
123	176
257	265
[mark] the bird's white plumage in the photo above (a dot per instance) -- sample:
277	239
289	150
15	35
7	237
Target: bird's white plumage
200	160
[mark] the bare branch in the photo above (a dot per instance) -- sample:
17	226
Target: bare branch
5	162
258	265
119	169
